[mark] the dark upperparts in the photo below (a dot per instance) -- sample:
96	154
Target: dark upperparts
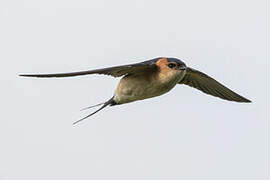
153	61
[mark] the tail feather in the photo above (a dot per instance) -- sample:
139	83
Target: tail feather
109	102
92	106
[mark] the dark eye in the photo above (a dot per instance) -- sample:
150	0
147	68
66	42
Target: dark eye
171	65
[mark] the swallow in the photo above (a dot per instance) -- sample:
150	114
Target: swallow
152	78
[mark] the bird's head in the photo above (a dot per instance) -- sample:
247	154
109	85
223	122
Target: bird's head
176	64
171	64
170	68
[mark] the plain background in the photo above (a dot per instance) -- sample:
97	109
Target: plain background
184	134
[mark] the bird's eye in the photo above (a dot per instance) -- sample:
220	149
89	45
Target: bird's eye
171	65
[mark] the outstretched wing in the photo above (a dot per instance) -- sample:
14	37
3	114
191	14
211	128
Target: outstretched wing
208	85
115	71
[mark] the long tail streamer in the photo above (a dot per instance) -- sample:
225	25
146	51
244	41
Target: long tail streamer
109	102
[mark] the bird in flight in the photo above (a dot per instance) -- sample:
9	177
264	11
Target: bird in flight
152	78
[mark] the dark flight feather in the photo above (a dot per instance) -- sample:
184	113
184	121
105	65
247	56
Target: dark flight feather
116	71
208	85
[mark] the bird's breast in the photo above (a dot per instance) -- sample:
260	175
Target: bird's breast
137	87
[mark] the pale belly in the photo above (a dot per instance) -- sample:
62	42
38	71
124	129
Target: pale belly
133	88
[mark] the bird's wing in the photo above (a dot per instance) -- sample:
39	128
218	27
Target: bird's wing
115	71
208	85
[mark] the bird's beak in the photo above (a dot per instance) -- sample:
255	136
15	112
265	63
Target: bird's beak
183	68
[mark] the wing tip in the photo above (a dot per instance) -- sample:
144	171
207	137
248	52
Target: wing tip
31	75
24	75
246	101
240	100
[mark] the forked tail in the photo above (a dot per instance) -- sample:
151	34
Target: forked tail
109	102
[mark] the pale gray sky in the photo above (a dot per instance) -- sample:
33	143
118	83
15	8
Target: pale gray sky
184	134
